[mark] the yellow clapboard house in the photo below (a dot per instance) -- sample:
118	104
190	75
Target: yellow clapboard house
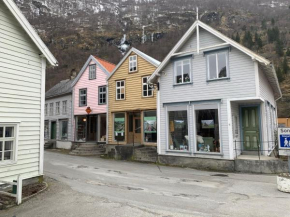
132	117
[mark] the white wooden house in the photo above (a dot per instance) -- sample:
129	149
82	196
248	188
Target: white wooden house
23	60
216	99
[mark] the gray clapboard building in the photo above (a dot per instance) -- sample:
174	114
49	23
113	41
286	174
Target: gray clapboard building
216	100
58	114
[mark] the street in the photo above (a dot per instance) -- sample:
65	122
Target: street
90	186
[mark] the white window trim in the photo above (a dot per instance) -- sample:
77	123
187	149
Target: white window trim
80	95
51	109
131	61
121	88
178	108
204	107
217	71
175	71
15	146
60	129
57	108
152	95
64	108
91	71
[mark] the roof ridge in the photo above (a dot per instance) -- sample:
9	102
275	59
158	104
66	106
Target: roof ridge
104	60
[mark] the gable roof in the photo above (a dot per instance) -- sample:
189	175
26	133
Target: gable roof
106	66
30	31
149	59
62	88
272	77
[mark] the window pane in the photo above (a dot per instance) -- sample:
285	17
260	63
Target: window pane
9	132
81	128
1	132
178	72
150	126
1	146
150	92
8	155
212	66
137	125
8	145
178	130
222	65
122	83
207	128
119	127
64	130
186	72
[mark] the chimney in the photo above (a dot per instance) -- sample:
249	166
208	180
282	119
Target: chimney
73	74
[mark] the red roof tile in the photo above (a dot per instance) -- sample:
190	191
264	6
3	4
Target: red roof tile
107	65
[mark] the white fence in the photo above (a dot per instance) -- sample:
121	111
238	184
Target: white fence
18	194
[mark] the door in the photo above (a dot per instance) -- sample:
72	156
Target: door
53	131
250	128
134	128
92	128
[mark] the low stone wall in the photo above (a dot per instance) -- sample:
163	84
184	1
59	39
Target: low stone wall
198	163
64	145
261	166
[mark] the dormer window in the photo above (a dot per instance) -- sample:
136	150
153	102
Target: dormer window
182	71
92	72
217	65
133	63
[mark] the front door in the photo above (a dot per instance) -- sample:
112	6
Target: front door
92	128
53	130
134	125
250	128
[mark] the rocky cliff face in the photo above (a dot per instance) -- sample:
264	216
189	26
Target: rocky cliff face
74	29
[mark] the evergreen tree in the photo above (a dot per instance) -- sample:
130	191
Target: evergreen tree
280	75
238	39
273	34
285	65
248	40
288	52
279	48
264	24
273	21
258	41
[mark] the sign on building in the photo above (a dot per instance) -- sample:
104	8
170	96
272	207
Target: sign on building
284	141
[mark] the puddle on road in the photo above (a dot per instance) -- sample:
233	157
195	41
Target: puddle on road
220	175
82	167
135	189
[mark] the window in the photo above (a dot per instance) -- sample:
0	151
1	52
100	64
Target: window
7	142
57	108
150	126
64	107
92	72
178	130
46	109
63	129
83	97
119	126
120	90
147	90
81	129
207	128
102	95
182	71
217	65
133	63
51	109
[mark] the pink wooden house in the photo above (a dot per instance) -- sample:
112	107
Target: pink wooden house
90	100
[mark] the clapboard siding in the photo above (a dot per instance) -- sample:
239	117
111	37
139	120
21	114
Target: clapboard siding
20	93
133	91
266	90
240	84
61	116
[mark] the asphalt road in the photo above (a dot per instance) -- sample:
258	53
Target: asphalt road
88	186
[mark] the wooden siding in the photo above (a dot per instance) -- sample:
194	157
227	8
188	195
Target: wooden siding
133	91
266	91
92	87
20	94
240	84
61	116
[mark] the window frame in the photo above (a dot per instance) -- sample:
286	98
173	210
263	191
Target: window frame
51	109
120	89
205	107
46	109
114	116
175	71
57	108
226	52
99	95
133	61
143	84
178	108
60	129
80	105
95	72
64	107
15	142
